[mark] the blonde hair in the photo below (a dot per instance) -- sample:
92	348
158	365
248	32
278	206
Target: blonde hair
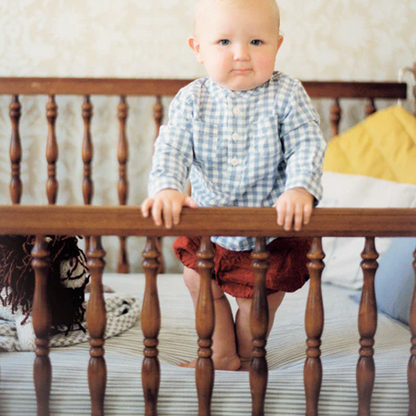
203	5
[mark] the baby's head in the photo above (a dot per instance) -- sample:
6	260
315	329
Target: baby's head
237	41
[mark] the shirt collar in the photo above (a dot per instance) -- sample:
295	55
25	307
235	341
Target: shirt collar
224	93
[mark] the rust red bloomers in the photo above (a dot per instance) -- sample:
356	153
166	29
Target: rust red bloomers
233	269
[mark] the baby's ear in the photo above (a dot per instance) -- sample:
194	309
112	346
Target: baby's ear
195	46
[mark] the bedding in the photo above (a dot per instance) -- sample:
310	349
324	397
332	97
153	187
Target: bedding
367	167
177	343
395	280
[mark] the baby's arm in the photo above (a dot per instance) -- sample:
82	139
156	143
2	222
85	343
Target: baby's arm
294	207
166	206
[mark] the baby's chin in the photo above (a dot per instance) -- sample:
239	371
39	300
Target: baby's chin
241	82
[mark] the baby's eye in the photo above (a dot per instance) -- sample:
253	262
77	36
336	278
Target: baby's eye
224	42
256	42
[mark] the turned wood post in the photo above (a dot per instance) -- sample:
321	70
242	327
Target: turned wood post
314	326
15	151
123	184
367	324
414	88
41	316
150	321
205	322
96	322
370	107
411	369
87	155
259	322
51	151
335	117
158	117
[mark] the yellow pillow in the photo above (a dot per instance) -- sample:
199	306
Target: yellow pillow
382	146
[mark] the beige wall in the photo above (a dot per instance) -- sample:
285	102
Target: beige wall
324	39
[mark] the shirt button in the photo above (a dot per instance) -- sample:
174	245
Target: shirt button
235	136
234	161
236	111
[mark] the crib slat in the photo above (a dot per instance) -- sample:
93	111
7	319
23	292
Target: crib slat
370	107
367	324
150	321
414	89
87	151
259	321
123	184
96	321
15	151
158	117
314	326
87	155
158	114
205	321
51	151
411	369
41	316
335	117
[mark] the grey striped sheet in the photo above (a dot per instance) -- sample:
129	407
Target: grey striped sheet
286	354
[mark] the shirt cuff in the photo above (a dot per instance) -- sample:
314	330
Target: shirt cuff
164	183
311	184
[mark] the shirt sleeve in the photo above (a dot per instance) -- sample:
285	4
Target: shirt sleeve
304	145
173	153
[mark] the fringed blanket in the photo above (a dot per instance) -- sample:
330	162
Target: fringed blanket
122	313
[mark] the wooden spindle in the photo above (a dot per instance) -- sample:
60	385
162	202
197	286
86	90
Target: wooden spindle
414	88
150	321
87	155
123	184
411	368
96	321
259	322
370	107
41	316
314	326
205	322
15	151
158	114
335	117
158	117
51	151
367	324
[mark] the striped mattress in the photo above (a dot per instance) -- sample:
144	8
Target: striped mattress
286	355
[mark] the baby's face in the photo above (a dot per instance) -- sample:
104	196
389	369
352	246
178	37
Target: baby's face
237	44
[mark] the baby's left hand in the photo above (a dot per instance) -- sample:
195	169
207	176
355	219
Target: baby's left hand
294	207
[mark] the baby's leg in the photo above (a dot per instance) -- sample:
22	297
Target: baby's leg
243	329
224	345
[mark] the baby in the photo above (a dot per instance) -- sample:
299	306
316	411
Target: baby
246	136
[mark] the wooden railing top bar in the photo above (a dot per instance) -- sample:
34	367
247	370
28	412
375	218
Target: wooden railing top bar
131	86
256	222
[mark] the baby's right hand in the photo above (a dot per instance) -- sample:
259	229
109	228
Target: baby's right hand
166	206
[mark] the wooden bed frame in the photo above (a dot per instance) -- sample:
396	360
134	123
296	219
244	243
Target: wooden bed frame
124	221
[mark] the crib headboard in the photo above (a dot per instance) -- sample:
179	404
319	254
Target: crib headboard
86	87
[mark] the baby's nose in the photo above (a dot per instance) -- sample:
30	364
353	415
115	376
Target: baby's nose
241	53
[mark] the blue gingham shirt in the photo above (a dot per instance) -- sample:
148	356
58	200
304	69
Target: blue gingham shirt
240	149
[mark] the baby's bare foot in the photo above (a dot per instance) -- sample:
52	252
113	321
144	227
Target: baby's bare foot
220	363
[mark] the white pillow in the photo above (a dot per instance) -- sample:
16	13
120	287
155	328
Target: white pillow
343	255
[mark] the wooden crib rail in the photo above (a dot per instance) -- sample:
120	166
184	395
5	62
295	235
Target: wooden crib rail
159	86
257	222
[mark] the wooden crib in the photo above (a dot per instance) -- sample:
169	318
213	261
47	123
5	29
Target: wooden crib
124	221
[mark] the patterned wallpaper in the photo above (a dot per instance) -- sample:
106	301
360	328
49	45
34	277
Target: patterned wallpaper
324	39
